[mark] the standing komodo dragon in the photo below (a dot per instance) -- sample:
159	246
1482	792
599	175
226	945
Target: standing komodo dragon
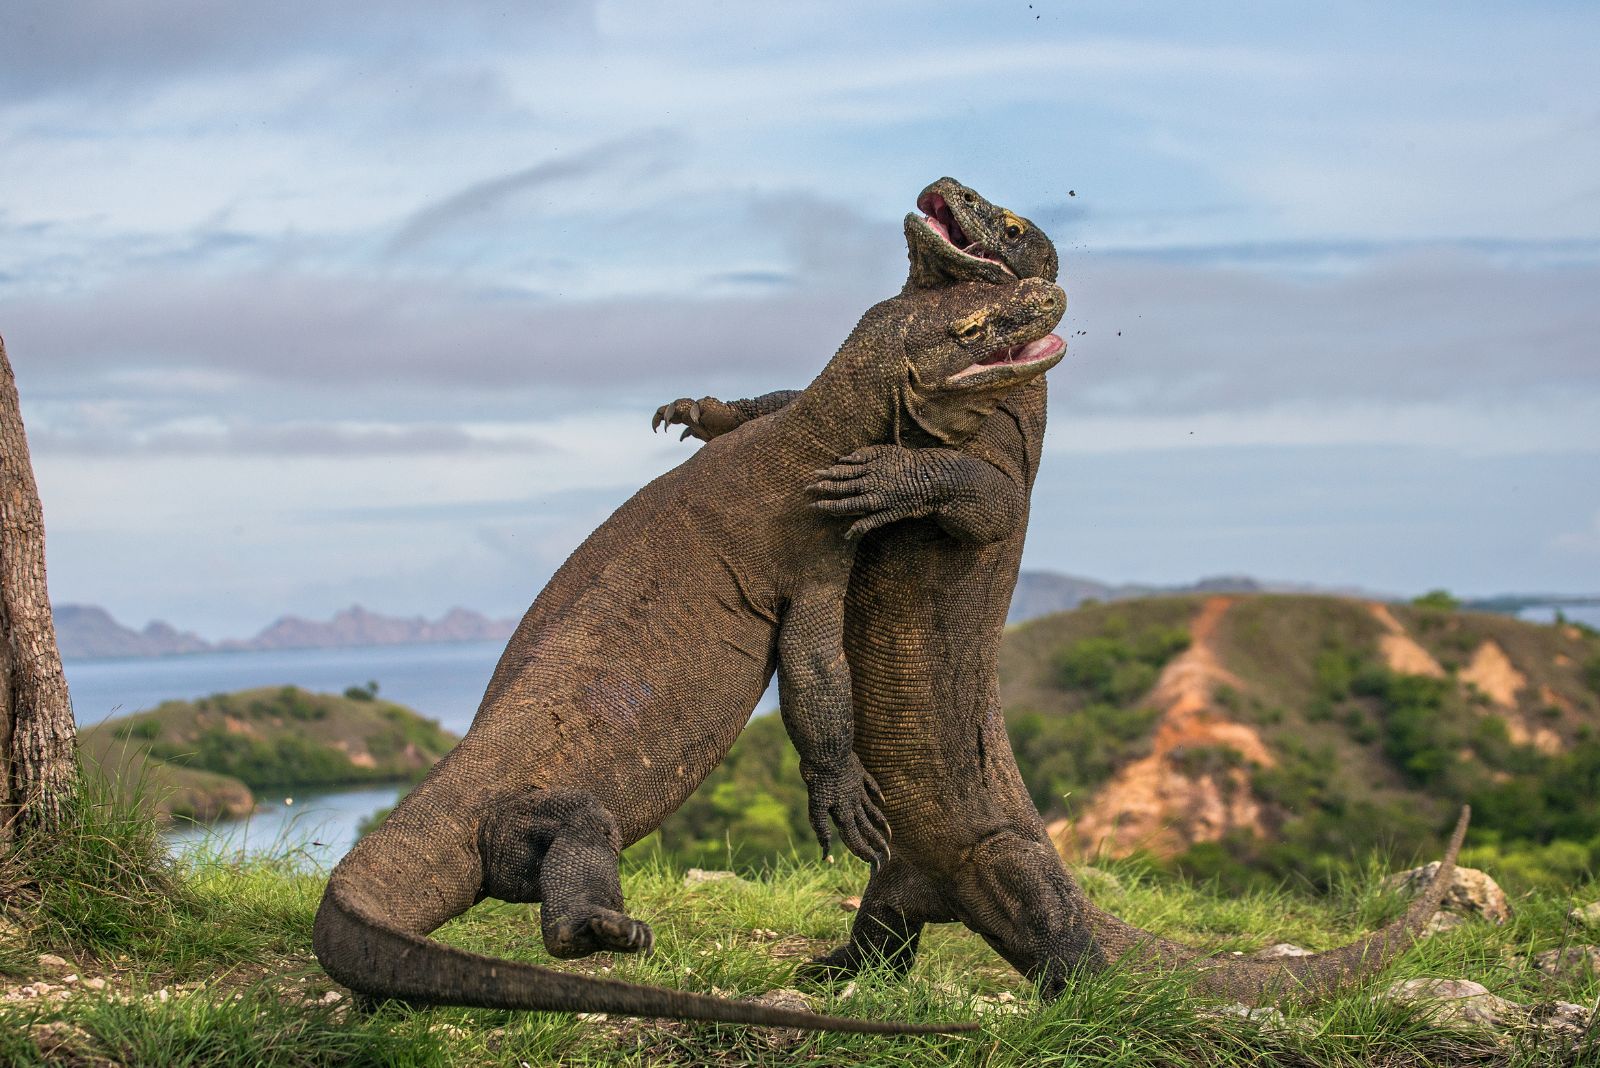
924	617
634	671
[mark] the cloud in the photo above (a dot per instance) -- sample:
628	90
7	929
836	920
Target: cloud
1582	542
1419	327
49	47
248	438
477	203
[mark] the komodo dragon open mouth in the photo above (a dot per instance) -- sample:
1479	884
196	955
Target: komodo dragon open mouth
938	217
1047	349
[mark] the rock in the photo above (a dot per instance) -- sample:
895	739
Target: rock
1265	1017
50	964
1441	922
782	1038
94	983
1562	1021
1569	962
1003	1002
1471	893
850	904
332	997
1280	950
1457	1004
11	930
63	1043
765	934
1586	916
698	876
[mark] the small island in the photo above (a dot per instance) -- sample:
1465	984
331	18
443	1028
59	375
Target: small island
205	759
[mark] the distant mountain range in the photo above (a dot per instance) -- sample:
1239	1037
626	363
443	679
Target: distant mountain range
88	631
1041	593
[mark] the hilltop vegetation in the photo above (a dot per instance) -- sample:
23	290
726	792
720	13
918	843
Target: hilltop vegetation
1257	738
203	758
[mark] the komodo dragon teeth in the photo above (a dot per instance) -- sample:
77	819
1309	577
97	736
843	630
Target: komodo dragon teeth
924	615
634	671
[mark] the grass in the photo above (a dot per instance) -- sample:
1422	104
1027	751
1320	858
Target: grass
208	962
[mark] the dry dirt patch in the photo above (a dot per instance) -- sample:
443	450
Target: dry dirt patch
1151	803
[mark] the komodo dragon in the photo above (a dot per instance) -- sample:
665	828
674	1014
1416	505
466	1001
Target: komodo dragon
924	617
638	665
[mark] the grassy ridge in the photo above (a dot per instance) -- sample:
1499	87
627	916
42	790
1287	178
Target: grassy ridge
202	758
228	944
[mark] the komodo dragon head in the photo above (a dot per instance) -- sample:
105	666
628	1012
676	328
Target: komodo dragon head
955	235
969	345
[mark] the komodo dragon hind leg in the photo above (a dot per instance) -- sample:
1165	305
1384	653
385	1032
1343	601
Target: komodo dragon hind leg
898	902
560	848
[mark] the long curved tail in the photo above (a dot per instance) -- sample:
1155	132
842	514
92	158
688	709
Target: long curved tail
362	943
1316	975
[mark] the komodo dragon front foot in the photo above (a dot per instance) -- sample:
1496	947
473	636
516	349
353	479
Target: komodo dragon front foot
705	418
602	930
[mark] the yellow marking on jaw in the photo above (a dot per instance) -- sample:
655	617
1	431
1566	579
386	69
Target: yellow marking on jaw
972	327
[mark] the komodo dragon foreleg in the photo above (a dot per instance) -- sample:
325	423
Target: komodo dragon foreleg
818	712
972	500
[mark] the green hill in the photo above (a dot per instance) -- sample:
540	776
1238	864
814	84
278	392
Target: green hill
1286	731
1259	737
202	758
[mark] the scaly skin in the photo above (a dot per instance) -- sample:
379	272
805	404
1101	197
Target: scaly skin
924	618
634	671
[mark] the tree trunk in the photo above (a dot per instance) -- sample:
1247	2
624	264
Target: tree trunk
38	739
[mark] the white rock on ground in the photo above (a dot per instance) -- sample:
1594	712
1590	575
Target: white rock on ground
696	876
1562	1021
1268	1019
1441	922
1472	892
51	964
1568	961
1280	950
1586	916
1457	1004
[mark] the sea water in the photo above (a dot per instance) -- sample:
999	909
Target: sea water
443	682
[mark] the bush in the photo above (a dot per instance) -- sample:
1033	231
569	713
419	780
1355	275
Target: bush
1438	600
1066	755
1118	669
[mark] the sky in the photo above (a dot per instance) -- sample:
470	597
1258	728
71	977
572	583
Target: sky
312	305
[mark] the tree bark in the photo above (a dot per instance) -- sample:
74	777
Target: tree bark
38	738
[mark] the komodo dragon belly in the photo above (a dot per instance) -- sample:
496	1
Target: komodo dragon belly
923	668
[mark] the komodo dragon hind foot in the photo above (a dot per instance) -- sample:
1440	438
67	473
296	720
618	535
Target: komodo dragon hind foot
898	902
560	848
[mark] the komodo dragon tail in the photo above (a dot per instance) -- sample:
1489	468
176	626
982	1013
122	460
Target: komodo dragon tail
1315	976
362	942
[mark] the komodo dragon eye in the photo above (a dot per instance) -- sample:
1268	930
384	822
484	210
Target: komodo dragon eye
969	330
1015	227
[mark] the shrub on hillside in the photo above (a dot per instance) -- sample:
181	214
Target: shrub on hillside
1117	668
